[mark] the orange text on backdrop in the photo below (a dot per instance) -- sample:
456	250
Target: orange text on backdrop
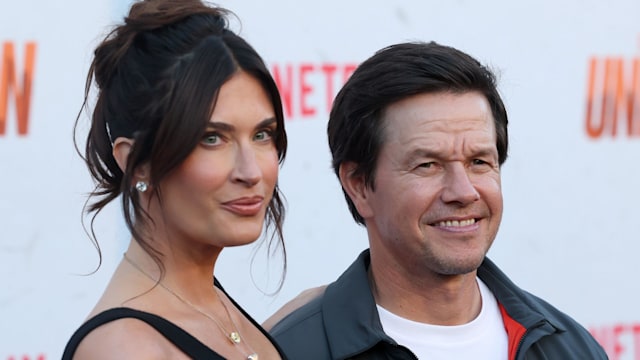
9	84
27	357
619	340
613	96
298	83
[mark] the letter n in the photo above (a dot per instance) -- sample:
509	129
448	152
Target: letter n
9	83
284	82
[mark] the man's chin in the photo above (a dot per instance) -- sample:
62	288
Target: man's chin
459	267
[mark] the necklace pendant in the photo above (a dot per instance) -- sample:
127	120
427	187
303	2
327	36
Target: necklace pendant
252	357
235	337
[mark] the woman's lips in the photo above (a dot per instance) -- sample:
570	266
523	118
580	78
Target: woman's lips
245	206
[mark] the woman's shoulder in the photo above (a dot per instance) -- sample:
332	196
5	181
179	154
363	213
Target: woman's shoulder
120	333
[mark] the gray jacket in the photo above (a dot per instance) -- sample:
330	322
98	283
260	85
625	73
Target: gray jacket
343	323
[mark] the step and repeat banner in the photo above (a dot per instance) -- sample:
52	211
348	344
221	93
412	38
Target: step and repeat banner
570	76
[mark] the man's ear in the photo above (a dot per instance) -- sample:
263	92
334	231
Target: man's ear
355	186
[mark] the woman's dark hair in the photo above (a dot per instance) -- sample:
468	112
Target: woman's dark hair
394	73
157	75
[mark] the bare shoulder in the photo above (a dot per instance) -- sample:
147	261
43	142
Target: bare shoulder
126	338
303	298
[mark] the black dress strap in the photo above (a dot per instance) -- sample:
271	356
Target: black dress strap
180	338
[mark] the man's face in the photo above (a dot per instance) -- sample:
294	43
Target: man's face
437	202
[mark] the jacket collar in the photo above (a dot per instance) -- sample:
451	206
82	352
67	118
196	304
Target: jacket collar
521	306
353	325
349	312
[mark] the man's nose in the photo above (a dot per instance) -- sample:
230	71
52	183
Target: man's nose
458	187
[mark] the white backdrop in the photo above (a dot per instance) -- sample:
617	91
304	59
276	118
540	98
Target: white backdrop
570	230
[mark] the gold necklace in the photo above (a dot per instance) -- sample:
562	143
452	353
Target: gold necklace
233	336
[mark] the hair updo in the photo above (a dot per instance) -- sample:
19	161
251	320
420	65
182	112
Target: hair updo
158	75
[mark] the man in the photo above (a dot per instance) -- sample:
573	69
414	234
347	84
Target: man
418	135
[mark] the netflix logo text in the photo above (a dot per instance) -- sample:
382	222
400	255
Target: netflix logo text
16	80
613	98
620	341
308	89
27	357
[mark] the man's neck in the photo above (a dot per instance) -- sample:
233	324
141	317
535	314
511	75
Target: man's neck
429	298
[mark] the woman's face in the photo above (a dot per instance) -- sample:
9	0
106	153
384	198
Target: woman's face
220	193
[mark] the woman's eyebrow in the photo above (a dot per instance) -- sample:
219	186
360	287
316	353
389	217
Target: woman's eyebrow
266	123
217	125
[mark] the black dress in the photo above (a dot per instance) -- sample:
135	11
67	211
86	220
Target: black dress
180	338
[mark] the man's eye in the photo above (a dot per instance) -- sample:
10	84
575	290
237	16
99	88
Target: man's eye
481	162
426	164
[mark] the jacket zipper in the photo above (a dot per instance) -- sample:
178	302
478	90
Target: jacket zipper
520	342
524	336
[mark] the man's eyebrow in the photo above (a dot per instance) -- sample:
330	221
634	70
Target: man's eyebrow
477	151
422	153
484	150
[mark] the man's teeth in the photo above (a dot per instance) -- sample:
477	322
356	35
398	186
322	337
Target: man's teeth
456	223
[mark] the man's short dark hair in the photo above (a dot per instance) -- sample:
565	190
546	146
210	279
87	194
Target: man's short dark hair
394	73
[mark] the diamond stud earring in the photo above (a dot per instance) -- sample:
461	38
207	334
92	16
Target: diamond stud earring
141	186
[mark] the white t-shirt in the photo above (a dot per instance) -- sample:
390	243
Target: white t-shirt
483	338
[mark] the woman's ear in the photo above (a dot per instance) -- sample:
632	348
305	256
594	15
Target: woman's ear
121	149
355	186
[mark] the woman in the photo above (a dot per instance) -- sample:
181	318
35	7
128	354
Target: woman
188	129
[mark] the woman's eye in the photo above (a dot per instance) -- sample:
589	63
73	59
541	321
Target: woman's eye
210	139
264	135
